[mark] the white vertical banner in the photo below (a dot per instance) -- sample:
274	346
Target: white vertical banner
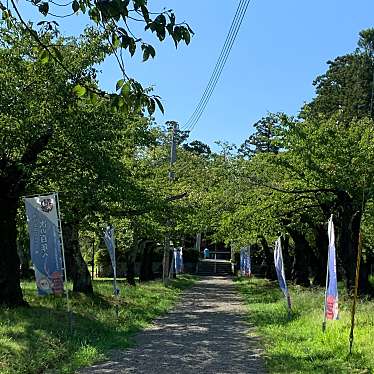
45	244
279	267
110	243
331	310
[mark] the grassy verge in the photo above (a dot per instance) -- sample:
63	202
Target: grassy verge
39	339
297	345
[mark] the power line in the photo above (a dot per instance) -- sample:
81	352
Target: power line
236	23
220	64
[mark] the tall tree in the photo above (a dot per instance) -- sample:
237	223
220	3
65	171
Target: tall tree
264	137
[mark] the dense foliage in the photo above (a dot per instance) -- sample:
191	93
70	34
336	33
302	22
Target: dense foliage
113	166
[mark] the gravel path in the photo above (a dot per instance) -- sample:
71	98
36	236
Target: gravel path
205	333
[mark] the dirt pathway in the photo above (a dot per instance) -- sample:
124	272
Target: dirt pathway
205	333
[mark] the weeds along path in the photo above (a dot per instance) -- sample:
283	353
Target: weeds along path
205	333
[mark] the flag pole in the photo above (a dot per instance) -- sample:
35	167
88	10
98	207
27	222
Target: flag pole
327	280
115	280
64	262
351	334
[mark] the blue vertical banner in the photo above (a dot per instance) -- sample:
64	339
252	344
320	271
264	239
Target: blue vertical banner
331	298
110	243
45	243
279	268
178	260
245	261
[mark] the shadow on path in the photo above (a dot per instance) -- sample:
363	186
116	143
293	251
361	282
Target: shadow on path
205	333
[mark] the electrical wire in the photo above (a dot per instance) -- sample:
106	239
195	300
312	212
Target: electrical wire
217	65
220	64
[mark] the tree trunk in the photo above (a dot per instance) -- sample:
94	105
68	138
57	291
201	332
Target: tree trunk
348	222
300	270
268	259
146	271
287	259
13	179
319	256
10	289
76	267
130	275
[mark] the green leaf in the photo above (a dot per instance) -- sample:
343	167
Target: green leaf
186	35
79	90
161	20
75	6
125	89
145	13
159	104
151	106
115	40
119	84
44	57
145	54
132	46
152	51
44	8
148	51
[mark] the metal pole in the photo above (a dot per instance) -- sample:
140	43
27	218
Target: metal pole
116	292
64	262
359	251
173	157
327	280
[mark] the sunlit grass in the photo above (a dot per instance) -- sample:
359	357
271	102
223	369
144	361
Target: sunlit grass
42	338
298	345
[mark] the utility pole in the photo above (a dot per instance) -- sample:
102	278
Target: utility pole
171	174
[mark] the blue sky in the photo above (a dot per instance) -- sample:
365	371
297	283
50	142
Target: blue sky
281	47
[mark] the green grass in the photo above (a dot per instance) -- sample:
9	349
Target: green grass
298	345
39	339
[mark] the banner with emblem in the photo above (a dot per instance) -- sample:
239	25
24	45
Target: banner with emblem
45	244
331	298
245	261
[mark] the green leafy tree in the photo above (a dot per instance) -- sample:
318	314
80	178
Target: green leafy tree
263	139
115	22
347	86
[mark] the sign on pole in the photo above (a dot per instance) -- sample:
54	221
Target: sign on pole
279	267
331	310
45	244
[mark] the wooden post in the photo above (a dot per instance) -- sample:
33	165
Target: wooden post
359	251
